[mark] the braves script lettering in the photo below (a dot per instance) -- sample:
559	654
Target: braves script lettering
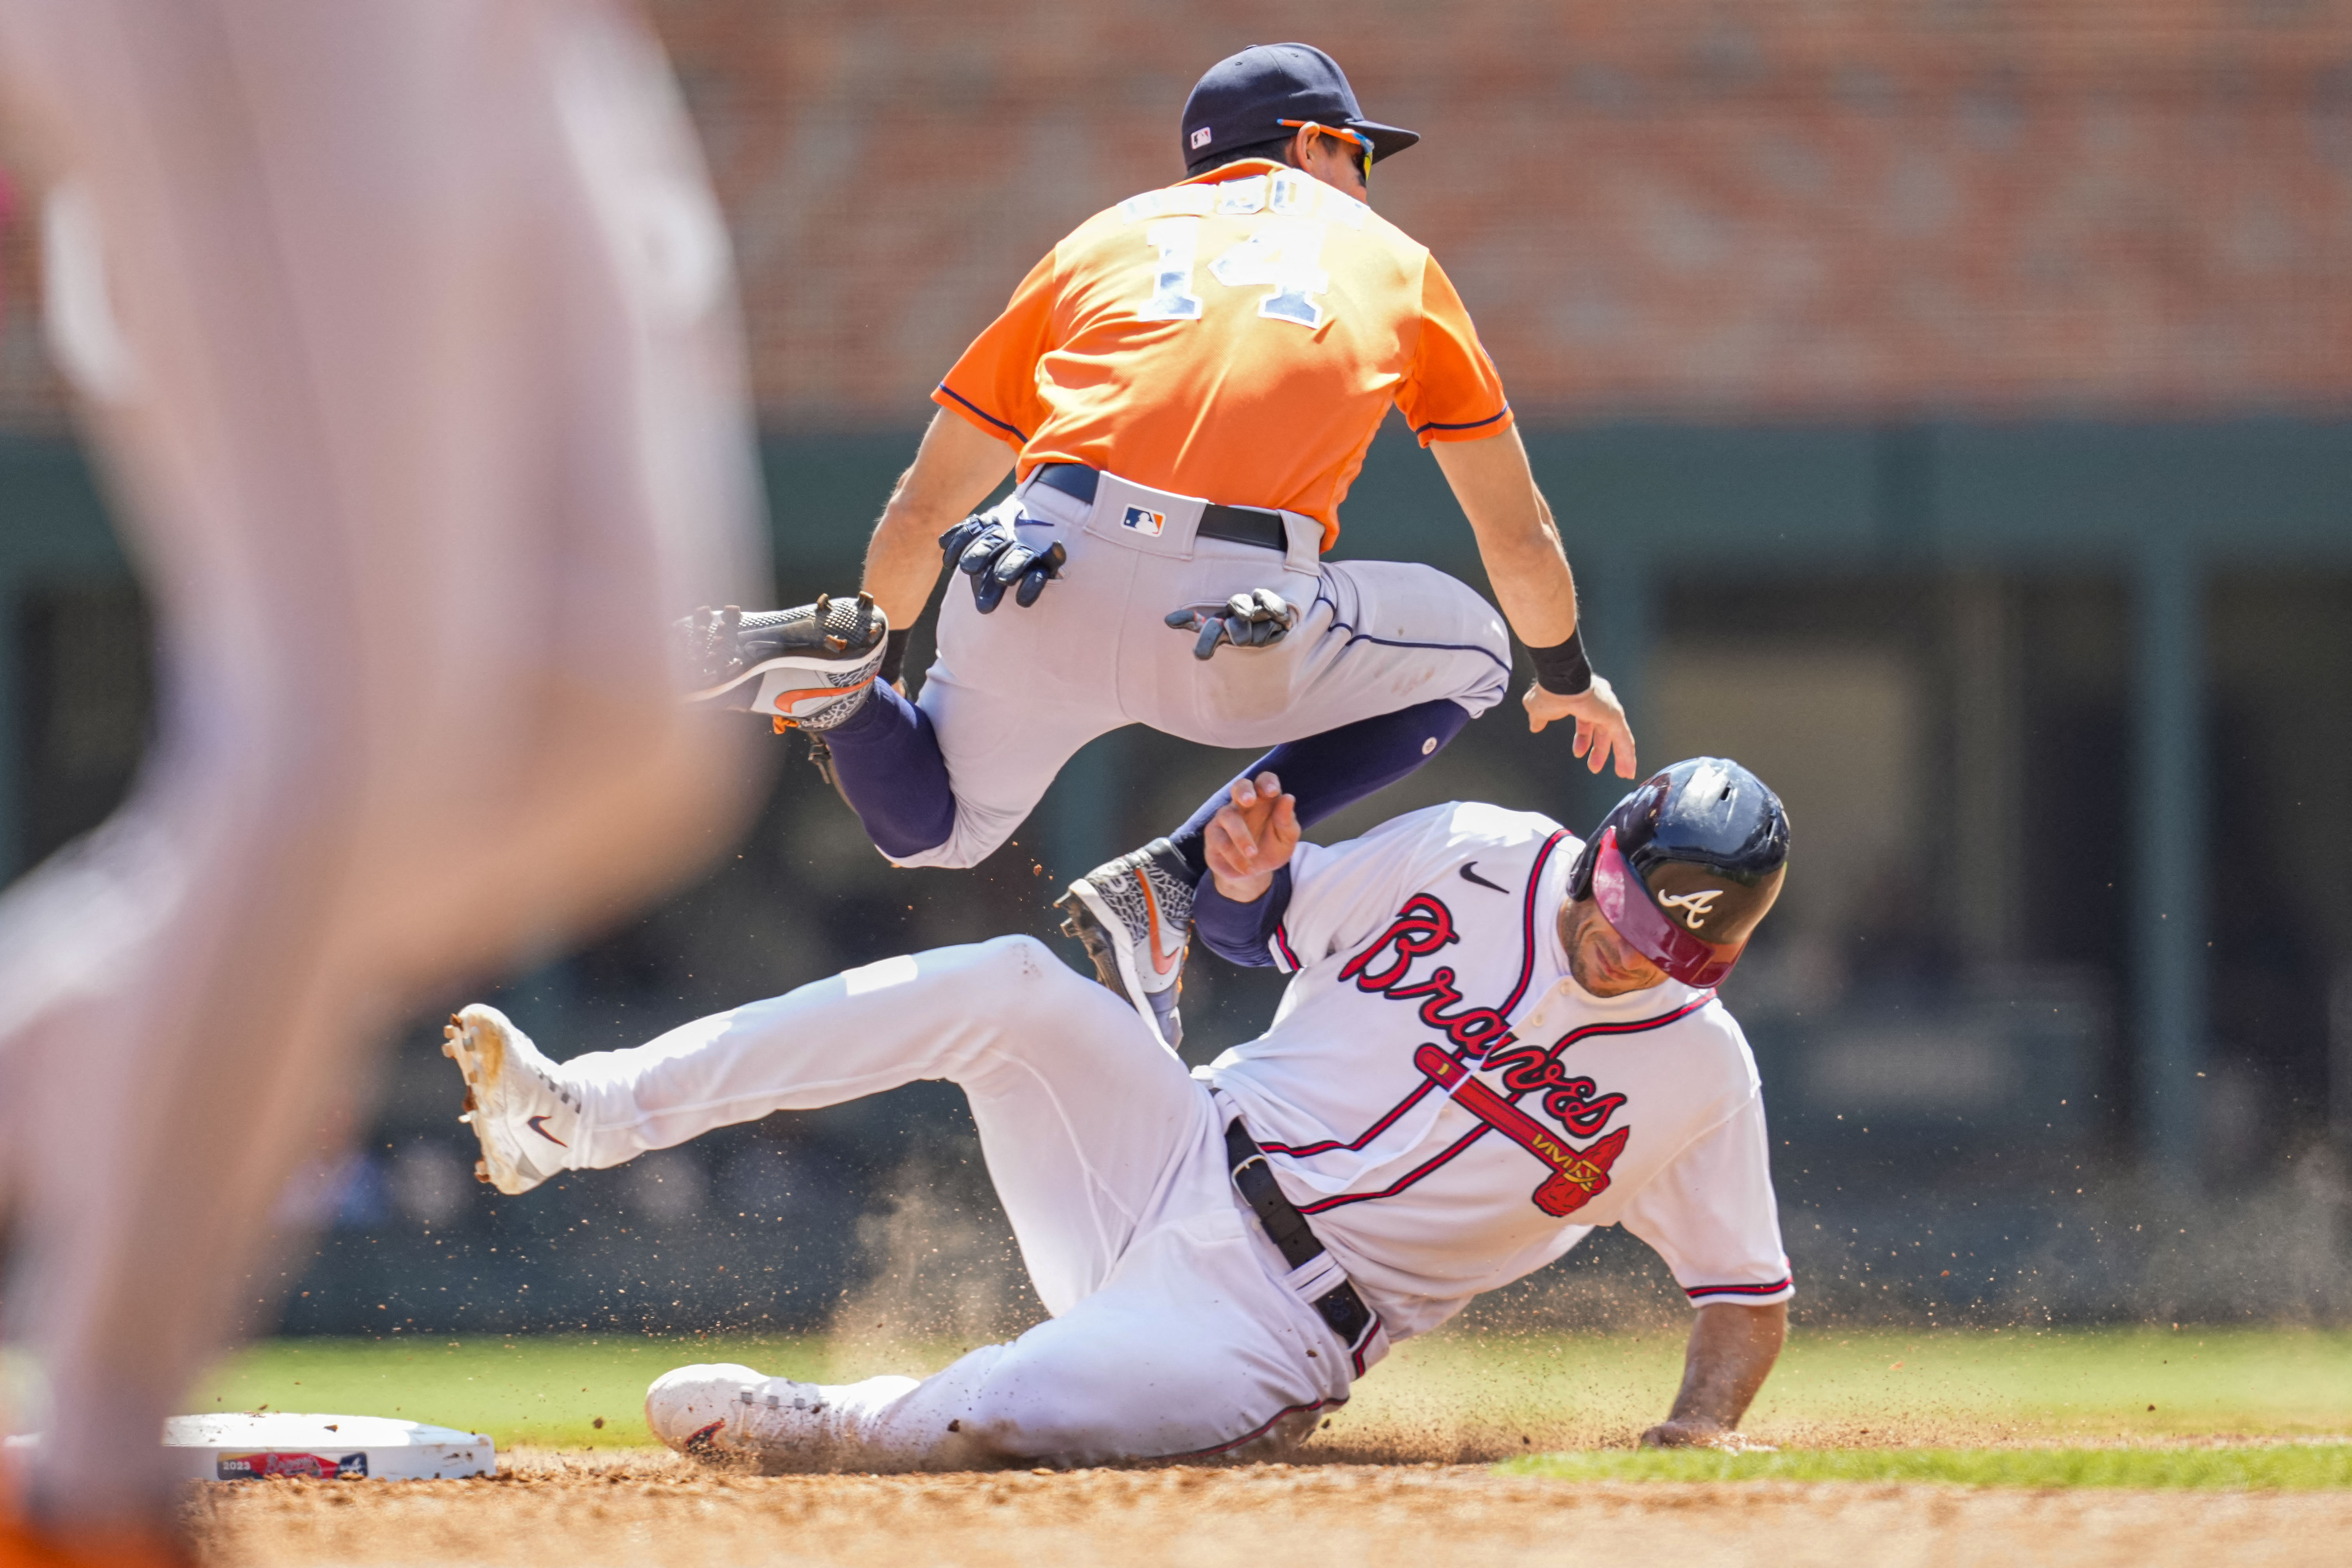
1569	1100
1475	1030
1422	927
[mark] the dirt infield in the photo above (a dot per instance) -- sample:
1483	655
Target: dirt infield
618	1510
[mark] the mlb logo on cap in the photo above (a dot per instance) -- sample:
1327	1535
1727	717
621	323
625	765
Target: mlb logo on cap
1200	137
1146	522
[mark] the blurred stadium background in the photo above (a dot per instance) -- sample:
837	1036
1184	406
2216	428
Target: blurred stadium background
1946	405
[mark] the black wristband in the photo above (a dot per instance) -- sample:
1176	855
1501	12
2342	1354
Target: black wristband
894	657
1562	669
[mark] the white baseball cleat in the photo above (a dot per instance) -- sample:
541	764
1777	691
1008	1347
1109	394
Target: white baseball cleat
720	1411
526	1115
1135	916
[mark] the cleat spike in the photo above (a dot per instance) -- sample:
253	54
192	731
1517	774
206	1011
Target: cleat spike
481	1172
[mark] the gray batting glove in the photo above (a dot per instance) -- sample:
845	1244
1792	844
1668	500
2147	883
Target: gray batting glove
1259	618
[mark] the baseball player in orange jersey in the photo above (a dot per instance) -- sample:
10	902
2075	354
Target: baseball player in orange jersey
408	331
1186	385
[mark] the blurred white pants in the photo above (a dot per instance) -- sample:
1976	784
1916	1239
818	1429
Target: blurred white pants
406	328
1174	1331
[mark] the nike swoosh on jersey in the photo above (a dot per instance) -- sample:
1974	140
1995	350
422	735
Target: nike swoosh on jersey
533	1123
1470	876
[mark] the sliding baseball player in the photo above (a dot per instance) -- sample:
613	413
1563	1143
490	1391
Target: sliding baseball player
1186	387
1495	1038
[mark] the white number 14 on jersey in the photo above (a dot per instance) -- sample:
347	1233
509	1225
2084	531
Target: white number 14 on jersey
1283	256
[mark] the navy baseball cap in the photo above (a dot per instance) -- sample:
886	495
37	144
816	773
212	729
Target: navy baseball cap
1267	90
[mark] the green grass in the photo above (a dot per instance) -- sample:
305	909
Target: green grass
2284	1467
549	1390
2253	1382
1943	1388
1934	1390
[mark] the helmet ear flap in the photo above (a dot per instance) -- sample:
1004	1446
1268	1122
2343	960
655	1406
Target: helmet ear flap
1624	816
1579	879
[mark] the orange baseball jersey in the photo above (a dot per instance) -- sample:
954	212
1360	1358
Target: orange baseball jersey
1235	337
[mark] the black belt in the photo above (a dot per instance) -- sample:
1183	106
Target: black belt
1234	524
1341	1306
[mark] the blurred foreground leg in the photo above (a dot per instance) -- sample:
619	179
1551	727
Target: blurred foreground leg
407	328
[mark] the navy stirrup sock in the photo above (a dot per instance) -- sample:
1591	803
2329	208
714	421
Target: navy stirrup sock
1338	767
888	766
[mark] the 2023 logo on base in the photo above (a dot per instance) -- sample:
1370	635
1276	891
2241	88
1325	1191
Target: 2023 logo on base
304	1466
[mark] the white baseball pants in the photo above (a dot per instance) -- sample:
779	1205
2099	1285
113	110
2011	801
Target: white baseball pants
1175	1329
1014	694
407	327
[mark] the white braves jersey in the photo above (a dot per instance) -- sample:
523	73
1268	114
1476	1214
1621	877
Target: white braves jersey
1452	1110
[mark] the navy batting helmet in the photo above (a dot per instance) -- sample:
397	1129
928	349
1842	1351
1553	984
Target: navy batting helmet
1687	865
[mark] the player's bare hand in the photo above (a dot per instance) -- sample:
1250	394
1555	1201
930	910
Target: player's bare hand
1601	731
1251	837
1255	619
1701	1434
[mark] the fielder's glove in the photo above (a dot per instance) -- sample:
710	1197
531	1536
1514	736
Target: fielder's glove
986	550
1256	619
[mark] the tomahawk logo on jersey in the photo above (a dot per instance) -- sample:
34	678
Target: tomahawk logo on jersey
1453	1111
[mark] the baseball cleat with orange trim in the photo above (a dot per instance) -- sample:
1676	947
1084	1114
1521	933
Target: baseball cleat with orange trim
808	667
1135	916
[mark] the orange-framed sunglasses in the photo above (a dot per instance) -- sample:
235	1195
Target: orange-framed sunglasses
1363	142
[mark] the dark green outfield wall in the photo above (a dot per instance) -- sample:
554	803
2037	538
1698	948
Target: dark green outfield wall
1761	500
2024	497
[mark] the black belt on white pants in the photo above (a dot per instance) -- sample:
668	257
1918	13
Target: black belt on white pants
1293	1238
1233	524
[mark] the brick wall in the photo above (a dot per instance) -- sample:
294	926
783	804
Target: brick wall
1696	208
